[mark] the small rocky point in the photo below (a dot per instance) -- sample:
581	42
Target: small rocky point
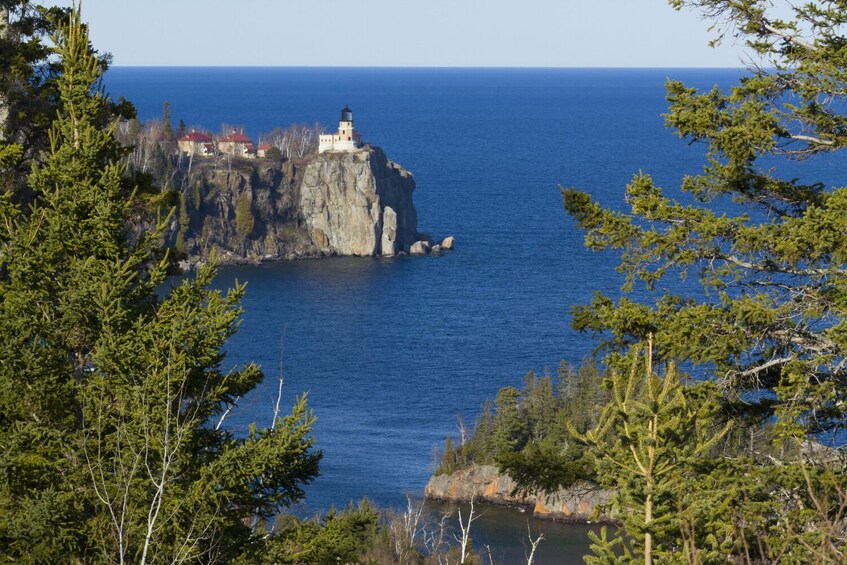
584	502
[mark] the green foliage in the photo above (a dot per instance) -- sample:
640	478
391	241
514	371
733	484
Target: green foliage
197	199
606	550
184	221
526	435
244	221
510	431
112	398
338	537
9	154
167	128
449	459
28	75
648	435
769	333
181	129
29	90
273	154
775	317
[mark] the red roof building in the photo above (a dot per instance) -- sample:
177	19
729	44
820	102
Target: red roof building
236	137
262	150
236	144
196	136
193	143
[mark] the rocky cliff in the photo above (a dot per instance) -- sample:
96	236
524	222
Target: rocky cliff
581	503
357	203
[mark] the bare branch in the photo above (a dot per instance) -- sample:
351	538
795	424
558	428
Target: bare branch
791	38
534	543
810	139
281	379
226	413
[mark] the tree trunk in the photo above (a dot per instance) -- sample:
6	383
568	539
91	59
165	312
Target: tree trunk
5	35
648	523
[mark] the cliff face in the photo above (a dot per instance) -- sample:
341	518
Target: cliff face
580	503
356	203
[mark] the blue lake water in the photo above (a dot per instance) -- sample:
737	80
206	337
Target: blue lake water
392	350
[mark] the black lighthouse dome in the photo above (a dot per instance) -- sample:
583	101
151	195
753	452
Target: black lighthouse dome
346	114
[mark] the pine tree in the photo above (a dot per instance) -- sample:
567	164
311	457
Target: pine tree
647	436
112	400
770	329
29	97
774	321
510	431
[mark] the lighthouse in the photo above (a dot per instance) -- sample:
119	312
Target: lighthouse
345	139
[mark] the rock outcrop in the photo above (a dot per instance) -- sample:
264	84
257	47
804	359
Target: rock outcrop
581	503
356	203
420	248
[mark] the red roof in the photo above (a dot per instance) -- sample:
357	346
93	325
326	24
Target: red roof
196	136
250	148
264	147
237	138
209	147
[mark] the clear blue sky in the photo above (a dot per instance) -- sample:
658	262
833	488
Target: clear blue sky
557	33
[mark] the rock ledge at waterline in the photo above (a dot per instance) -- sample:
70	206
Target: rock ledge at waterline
581	503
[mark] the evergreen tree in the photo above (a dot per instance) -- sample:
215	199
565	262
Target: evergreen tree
29	96
773	322
646	437
481	445
510	430
539	405
181	129
112	400
770	330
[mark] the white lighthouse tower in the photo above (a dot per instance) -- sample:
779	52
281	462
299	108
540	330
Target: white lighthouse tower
345	139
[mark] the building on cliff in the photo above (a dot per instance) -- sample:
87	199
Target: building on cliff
195	143
237	144
234	143
345	139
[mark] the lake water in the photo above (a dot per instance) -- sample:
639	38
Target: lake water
391	351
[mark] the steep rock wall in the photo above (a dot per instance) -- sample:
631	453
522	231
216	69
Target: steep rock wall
580	503
357	203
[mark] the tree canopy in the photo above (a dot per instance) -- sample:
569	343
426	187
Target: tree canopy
767	332
112	398
771	327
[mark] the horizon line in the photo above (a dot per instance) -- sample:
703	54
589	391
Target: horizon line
481	67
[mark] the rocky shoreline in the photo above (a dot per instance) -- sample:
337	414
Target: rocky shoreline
582	503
